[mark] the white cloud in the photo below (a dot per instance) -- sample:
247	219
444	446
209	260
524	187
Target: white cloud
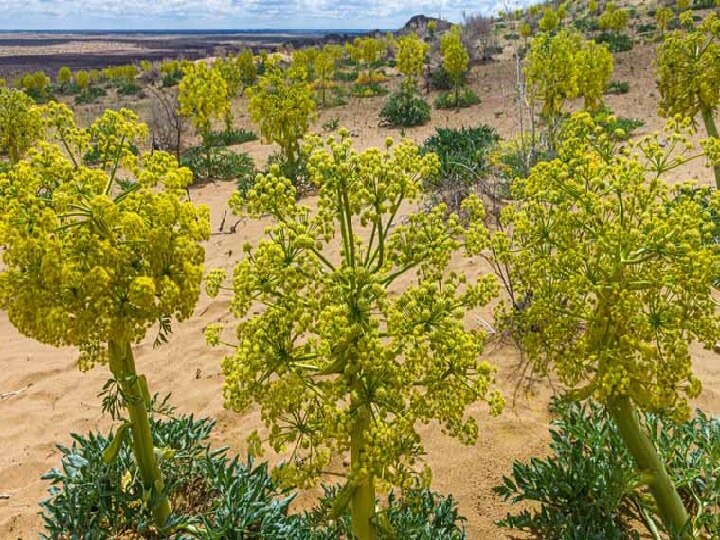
16	14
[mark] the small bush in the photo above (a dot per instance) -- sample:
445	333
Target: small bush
332	124
171	79
466	98
228	138
346	76
615	42
512	36
618	87
128	89
219	164
587	487
90	95
92	156
587	24
441	80
619	127
405	110
368	90
463	161
213	496
297	172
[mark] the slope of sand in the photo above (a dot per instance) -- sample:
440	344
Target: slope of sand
53	399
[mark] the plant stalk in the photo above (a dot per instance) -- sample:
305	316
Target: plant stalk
712	131
670	506
362	504
134	389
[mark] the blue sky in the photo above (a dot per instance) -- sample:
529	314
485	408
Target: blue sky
150	14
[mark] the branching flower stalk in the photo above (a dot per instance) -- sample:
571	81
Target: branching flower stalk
338	363
618	269
96	256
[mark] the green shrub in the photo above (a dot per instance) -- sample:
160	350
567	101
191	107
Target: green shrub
219	163
465	98
462	152
587	24
587	487
297	172
618	87
512	36
346	76
620	127
404	109
463	161
418	515
228	138
207	490
90	95
128	89
441	79
615	42
92	156
647	28
171	79
213	496
332	124
368	90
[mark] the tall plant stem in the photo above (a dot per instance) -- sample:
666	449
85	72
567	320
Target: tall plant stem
712	131
670	506
362	504
135	394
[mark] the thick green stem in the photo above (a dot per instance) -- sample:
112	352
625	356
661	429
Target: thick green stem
670	506
712	131
362	505
134	389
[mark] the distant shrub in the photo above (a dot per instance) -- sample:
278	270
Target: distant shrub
347	76
615	42
228	138
368	90
92	156
465	98
618	87
463	157
128	89
332	124
647	28
619	127
90	95
404	109
588	487
513	36
440	79
171	79
219	163
587	24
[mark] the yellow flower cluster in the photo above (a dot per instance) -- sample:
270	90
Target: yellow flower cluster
89	261
616	268
337	363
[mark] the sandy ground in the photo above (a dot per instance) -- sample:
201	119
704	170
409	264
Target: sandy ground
53	399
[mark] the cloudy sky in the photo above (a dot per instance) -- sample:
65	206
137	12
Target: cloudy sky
161	14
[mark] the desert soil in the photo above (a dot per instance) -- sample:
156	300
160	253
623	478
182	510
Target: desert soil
45	398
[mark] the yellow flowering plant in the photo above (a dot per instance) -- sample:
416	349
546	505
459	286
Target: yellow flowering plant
455	57
615	269
688	65
20	123
337	363
282	105
410	58
96	256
